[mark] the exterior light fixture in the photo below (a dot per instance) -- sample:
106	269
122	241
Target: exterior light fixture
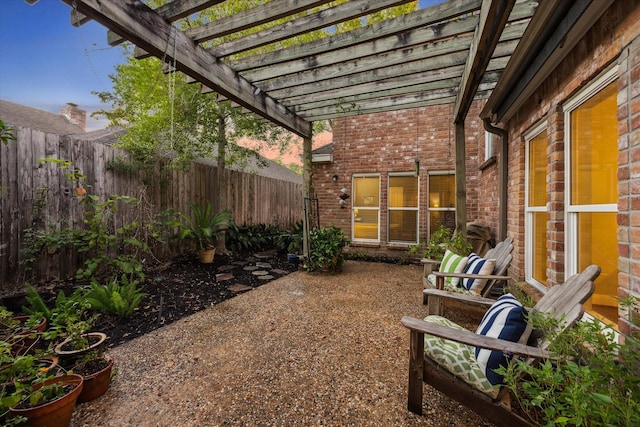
334	178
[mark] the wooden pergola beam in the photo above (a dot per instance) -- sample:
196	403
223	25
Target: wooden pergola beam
145	28
315	21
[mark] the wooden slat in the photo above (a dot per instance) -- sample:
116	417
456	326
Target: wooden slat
253	17
322	19
421	18
146	29
493	18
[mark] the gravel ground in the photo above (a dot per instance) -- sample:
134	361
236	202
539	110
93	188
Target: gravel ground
303	350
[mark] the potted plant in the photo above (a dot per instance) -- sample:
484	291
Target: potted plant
326	253
203	227
22	332
96	370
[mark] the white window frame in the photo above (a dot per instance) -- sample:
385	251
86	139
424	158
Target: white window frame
489	144
429	208
416	209
354	207
530	211
571	212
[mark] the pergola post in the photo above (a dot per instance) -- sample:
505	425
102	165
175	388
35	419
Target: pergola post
461	178
307	188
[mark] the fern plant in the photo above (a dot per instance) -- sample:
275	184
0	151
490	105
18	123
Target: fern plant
115	298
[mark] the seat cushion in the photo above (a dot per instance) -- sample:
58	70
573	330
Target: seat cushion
457	358
506	319
452	263
480	266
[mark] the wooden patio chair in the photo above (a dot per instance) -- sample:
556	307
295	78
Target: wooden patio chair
501	253
446	374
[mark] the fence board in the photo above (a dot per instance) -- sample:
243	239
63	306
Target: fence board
252	199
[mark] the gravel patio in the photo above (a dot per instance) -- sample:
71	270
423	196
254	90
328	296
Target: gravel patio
302	350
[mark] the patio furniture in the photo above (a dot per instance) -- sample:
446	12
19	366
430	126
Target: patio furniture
470	282
441	353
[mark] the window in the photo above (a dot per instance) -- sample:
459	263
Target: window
403	208
536	206
366	208
489	144
442	201
591	135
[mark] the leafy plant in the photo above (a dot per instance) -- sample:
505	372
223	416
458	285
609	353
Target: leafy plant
441	240
119	299
204	226
290	241
256	237
590	379
6	133
326	245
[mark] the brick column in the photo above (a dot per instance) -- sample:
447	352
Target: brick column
555	197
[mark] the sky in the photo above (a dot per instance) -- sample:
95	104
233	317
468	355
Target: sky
46	63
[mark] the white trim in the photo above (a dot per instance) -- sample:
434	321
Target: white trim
605	78
416	209
536	130
366	208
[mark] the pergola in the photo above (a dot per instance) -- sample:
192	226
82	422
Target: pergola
450	53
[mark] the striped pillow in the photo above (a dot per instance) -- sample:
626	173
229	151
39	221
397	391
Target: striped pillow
452	263
506	319
477	265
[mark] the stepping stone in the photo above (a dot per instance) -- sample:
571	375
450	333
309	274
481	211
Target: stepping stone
251	259
266	277
264	255
224	276
279	271
226	267
263	265
241	262
239	288
250	268
260	273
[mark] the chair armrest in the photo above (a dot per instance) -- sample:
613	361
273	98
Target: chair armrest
462	298
471	276
473	339
430	265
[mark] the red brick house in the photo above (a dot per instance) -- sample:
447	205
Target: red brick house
568	105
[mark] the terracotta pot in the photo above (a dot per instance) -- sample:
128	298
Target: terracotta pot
70	356
26	343
96	384
206	255
56	413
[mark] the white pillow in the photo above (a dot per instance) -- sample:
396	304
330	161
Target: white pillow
480	266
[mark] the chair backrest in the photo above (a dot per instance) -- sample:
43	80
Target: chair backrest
565	302
502	254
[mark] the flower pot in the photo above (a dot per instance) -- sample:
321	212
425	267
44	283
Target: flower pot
70	356
293	258
27	338
206	255
56	413
95	384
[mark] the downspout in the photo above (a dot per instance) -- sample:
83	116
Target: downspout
504	169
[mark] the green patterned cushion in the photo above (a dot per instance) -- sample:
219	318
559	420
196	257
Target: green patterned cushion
457	358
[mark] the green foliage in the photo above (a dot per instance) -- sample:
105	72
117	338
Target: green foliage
6	133
290	241
441	240
203	226
589	380
119	299
326	245
255	238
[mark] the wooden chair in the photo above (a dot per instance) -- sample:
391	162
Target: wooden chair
563	302
502	255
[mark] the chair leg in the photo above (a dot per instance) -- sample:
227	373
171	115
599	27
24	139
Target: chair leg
416	370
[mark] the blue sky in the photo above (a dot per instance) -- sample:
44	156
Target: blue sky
45	62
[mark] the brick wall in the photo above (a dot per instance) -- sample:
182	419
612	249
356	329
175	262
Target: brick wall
613	39
385	143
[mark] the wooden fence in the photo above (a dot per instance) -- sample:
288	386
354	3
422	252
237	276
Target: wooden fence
40	195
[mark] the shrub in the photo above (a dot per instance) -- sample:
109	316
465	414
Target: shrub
589	380
326	249
441	240
114	298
